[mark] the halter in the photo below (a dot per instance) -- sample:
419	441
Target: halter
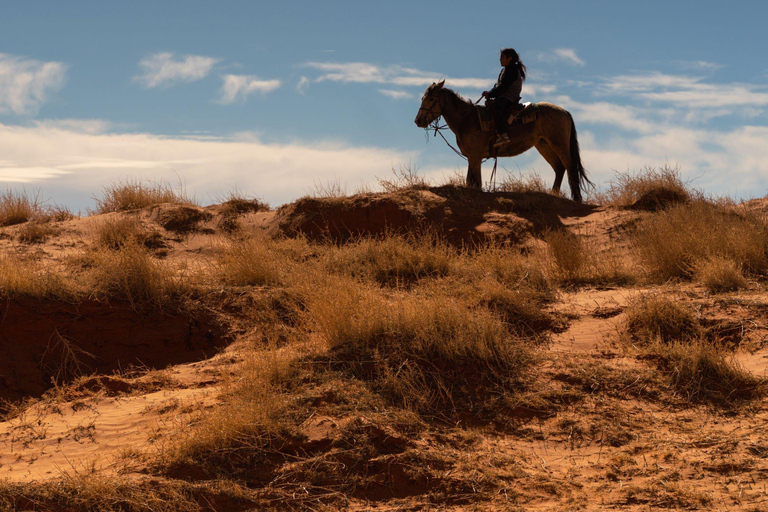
433	100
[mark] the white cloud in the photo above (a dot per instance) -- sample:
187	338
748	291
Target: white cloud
302	85
164	69
700	65
396	95
71	166
364	72
567	55
26	83
239	87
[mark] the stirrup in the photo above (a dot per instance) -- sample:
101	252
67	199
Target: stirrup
501	140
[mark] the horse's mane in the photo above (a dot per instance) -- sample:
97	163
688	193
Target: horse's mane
459	97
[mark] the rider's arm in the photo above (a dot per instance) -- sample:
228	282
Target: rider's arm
506	78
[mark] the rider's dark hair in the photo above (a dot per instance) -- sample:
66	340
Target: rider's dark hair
510	53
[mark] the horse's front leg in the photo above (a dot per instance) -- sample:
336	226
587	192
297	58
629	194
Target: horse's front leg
475	173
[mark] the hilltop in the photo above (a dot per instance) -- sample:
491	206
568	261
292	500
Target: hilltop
423	347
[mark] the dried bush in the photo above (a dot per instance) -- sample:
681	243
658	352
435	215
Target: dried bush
649	189
393	259
702	370
575	260
670	243
403	178
133	194
249	262
653	317
28	278
720	275
17	207
132	275
433	355
118	232
36	232
522	183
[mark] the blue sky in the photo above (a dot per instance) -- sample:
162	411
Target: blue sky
276	98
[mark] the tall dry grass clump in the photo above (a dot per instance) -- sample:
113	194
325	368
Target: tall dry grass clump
509	267
28	278
17	207
653	317
574	259
404	178
132	275
649	189
430	354
522	183
702	370
719	275
393	259
250	262
132	194
118	232
238	437
671	243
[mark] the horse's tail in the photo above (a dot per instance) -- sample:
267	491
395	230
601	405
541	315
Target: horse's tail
577	175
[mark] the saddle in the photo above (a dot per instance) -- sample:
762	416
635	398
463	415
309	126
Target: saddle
525	115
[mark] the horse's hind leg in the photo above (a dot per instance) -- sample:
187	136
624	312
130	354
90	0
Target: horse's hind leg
550	155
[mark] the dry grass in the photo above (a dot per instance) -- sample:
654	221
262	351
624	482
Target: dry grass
93	492
574	259
17	207
133	194
702	370
238	437
509	267
720	275
118	232
36	232
237	202
432	355
404	178
132	275
524	183
649	189
28	278
671	243
392	260
652	317
250	262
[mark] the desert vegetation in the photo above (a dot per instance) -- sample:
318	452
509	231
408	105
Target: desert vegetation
482	350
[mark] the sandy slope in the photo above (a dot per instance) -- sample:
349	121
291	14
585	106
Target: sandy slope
613	450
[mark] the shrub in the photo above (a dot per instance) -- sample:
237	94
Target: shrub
702	370
134	194
655	317
649	189
509	267
719	275
36	232
31	279
404	178
575	260
132	275
392	260
17	207
237	437
670	243
118	232
433	355
531	182
249	262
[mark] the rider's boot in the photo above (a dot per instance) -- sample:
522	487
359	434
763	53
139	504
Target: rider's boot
501	139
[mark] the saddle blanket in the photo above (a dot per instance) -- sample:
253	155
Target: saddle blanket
528	114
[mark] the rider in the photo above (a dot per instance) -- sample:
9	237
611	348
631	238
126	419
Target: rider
506	92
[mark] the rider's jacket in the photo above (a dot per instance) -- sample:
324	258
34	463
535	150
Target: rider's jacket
509	84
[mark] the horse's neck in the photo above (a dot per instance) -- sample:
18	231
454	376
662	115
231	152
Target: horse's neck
456	110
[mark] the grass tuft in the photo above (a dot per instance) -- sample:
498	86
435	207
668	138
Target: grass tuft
133	194
720	275
650	189
671	243
653	317
249	262
17	207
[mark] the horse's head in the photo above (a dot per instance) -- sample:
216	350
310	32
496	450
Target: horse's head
431	105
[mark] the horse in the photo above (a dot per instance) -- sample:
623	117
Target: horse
552	133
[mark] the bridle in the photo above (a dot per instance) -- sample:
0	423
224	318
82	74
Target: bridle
432	100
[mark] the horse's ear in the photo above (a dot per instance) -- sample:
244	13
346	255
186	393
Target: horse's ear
440	84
